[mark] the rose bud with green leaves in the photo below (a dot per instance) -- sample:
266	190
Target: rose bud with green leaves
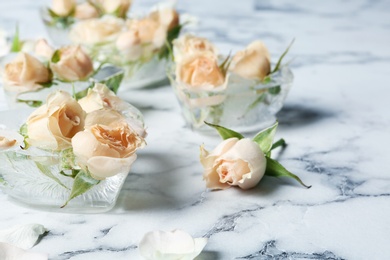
242	162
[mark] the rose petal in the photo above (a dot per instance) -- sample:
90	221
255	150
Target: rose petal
102	167
23	236
249	152
176	244
10	252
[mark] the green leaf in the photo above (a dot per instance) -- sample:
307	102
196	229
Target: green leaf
46	171
224	132
111	76
52	14
83	182
16	44
225	64
275	169
265	138
274	90
166	51
56	56
281	57
278	143
31	103
68	159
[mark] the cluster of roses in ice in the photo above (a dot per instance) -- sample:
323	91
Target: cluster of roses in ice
98	128
88	9
120	41
199	67
39	64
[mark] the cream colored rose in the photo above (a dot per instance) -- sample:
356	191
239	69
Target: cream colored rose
63	7
53	125
43	49
97	30
25	73
253	63
233	163
86	11
101	99
189	45
129	44
116	7
108	147
149	31
200	70
100	96
167	17
73	64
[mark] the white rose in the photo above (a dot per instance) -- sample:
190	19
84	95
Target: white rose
96	30
200	71
53	124
108	146
86	11
25	73
253	63
233	163
189	45
177	244
73	64
63	7
43	49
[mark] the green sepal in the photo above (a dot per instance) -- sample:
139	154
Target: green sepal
225	64
56	56
224	132
166	51
265	138
23	132
83	182
16	44
277	66
275	169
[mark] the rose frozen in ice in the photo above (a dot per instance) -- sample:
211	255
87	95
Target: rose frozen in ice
72	64
201	71
25	73
86	11
96	30
108	145
233	162
253	63
52	125
189	44
63	7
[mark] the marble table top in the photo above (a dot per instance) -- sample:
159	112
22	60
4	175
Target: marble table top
335	120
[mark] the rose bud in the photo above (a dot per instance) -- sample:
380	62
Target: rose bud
73	64
43	49
86	11
63	7
189	44
166	16
25	73
233	163
253	63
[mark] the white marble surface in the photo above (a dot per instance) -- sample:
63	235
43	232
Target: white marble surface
335	121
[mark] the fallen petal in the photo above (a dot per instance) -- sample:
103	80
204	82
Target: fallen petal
23	236
10	252
175	245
